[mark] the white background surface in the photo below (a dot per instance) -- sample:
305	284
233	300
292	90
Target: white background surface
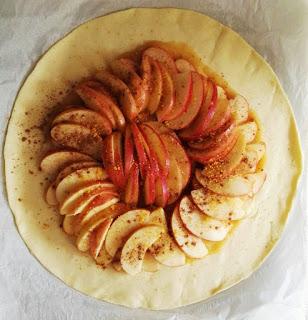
278	30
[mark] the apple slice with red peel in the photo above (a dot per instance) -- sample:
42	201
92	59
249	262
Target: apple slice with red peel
218	152
140	148
183	90
149	187
50	196
224	167
194	105
200	224
128	151
175	180
131	195
175	148
96	205
155	87
77	179
234	186
249	130
112	157
121	91
85	117
135	247
160	128
191	245
161	191
214	141
77	137
77	201
122	68
221	116
156	144
168	95
217	206
183	65
68	224
55	161
198	127
162	57
239	109
123	227
83	239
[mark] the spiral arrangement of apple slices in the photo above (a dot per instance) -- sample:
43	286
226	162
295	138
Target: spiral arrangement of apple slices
152	134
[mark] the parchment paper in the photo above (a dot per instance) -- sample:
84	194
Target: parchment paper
279	31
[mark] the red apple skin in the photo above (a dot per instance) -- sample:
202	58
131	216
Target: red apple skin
218	152
113	159
194	105
149	188
155	87
197	128
139	147
128	151
131	195
183	90
157	146
167	100
161	190
214	139
163	57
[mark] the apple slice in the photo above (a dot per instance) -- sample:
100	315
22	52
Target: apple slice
77	137
162	57
217	206
122	68
149	263
135	247
155	86
239	109
161	191
200	224
215	141
121	91
259	148
156	144
131	195
183	65
149	187
166	251
217	152
158	217
83	239
183	90
194	105
175	182
96	205
55	161
128	151
79	199
257	179
77	179
112	156
168	94
191	245
50	196
97	99
225	167
221	93
68	224
85	117
198	127
104	258
248	130
175	148
234	186
123	227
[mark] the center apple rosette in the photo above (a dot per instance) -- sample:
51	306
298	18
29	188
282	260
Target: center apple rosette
155	163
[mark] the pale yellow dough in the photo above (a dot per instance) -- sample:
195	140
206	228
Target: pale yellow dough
90	47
